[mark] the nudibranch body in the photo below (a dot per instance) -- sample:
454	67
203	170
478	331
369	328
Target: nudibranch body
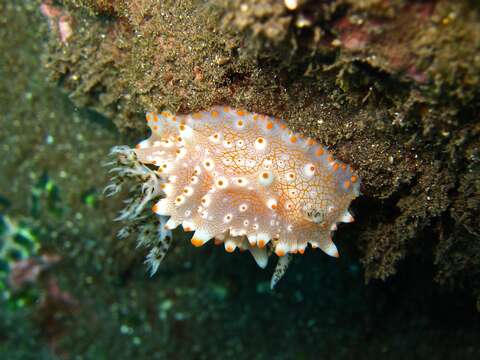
245	180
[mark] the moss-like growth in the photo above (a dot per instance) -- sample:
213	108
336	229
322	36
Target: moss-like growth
391	87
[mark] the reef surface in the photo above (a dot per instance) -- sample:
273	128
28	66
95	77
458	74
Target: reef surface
392	87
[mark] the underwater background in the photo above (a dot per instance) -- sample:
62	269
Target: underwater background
391	86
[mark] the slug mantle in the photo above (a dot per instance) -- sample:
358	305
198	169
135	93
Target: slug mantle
240	178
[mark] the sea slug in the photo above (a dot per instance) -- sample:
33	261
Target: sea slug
243	179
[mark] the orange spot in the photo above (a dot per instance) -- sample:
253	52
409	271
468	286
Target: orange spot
353	179
155	118
165	114
240	113
229	248
137	146
186	228
155	208
148	118
293	139
182	127
301	251
163	186
279	252
310	142
265	175
174	118
155	127
335	167
260	140
273	207
312	168
261	244
196	242
319	152
283	126
214	113
344	167
154	162
255	117
347	184
179	139
226	109
330	158
197	116
240	123
269	125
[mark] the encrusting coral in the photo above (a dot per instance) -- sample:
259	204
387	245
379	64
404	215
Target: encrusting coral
242	178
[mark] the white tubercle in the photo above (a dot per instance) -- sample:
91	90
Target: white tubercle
331	250
171	224
161	207
200	237
221	182
265	177
180	200
252	239
186	131
281	249
230	246
347	217
167	189
262	239
209	164
188	225
260	144
309	170
272	203
290	177
260	256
